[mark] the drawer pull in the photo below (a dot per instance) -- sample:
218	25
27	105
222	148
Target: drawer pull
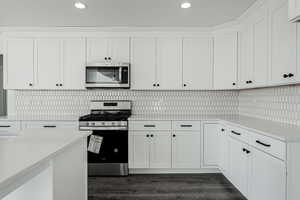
261	143
49	126
149	126
246	150
236	133
186	125
5	126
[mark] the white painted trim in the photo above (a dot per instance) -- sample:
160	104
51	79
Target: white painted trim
173	171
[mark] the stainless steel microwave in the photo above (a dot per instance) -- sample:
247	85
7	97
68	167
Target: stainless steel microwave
107	75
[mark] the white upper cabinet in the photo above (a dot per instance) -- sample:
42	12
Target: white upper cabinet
143	63
19	64
103	49
198	63
225	61
260	48
253	43
294	10
246	56
169	60
49	63
283	44
74	62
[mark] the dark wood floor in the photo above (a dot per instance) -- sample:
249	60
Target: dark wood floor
163	187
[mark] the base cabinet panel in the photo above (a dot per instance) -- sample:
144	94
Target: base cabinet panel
186	150
140	150
160	150
268	177
210	145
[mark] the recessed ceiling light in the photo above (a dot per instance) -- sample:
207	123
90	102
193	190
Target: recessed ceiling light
80	5
186	5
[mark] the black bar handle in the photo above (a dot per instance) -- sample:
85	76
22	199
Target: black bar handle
46	126
261	143
149	125
186	125
236	133
5	126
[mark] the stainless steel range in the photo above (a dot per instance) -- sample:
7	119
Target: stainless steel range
108	144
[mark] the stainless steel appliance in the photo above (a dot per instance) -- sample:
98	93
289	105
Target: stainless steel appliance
108	75
108	119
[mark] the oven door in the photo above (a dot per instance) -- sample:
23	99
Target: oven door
107	76
114	147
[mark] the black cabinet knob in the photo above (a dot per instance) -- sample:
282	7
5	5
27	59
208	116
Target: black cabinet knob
157	85
184	85
154	85
174	135
285	75
105	58
233	84
152	135
109	58
30	84
60	84
147	135
290	75
250	81
57	84
247	82
222	129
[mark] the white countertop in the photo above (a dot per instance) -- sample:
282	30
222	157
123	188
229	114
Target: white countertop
30	148
40	118
277	130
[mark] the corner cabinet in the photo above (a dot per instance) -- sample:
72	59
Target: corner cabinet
44	63
225	60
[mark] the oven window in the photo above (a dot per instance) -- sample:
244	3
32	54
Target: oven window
103	75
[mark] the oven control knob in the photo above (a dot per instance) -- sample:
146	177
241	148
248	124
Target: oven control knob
93	124
113	123
103	123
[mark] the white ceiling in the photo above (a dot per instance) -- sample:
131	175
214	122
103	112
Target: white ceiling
203	13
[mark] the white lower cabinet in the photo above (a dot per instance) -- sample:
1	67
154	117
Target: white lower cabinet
210	145
150	149
268	177
223	150
239	162
50	124
186	150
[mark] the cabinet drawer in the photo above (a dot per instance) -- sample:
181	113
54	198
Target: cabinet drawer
50	124
239	134
269	145
10	125
150	125
186	125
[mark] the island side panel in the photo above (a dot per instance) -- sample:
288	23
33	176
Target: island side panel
70	173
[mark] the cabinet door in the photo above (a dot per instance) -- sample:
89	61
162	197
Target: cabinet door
169	69
283	44
260	48
49	63
197	63
19	64
186	150
119	49
140	150
239	162
143	63
74	63
246	56
294	10
97	49
268	177
160	150
210	140
224	150
225	61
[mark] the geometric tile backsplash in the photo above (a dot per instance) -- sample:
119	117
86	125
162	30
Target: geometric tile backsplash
144	102
277	103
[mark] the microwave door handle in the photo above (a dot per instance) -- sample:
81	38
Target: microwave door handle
120	74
